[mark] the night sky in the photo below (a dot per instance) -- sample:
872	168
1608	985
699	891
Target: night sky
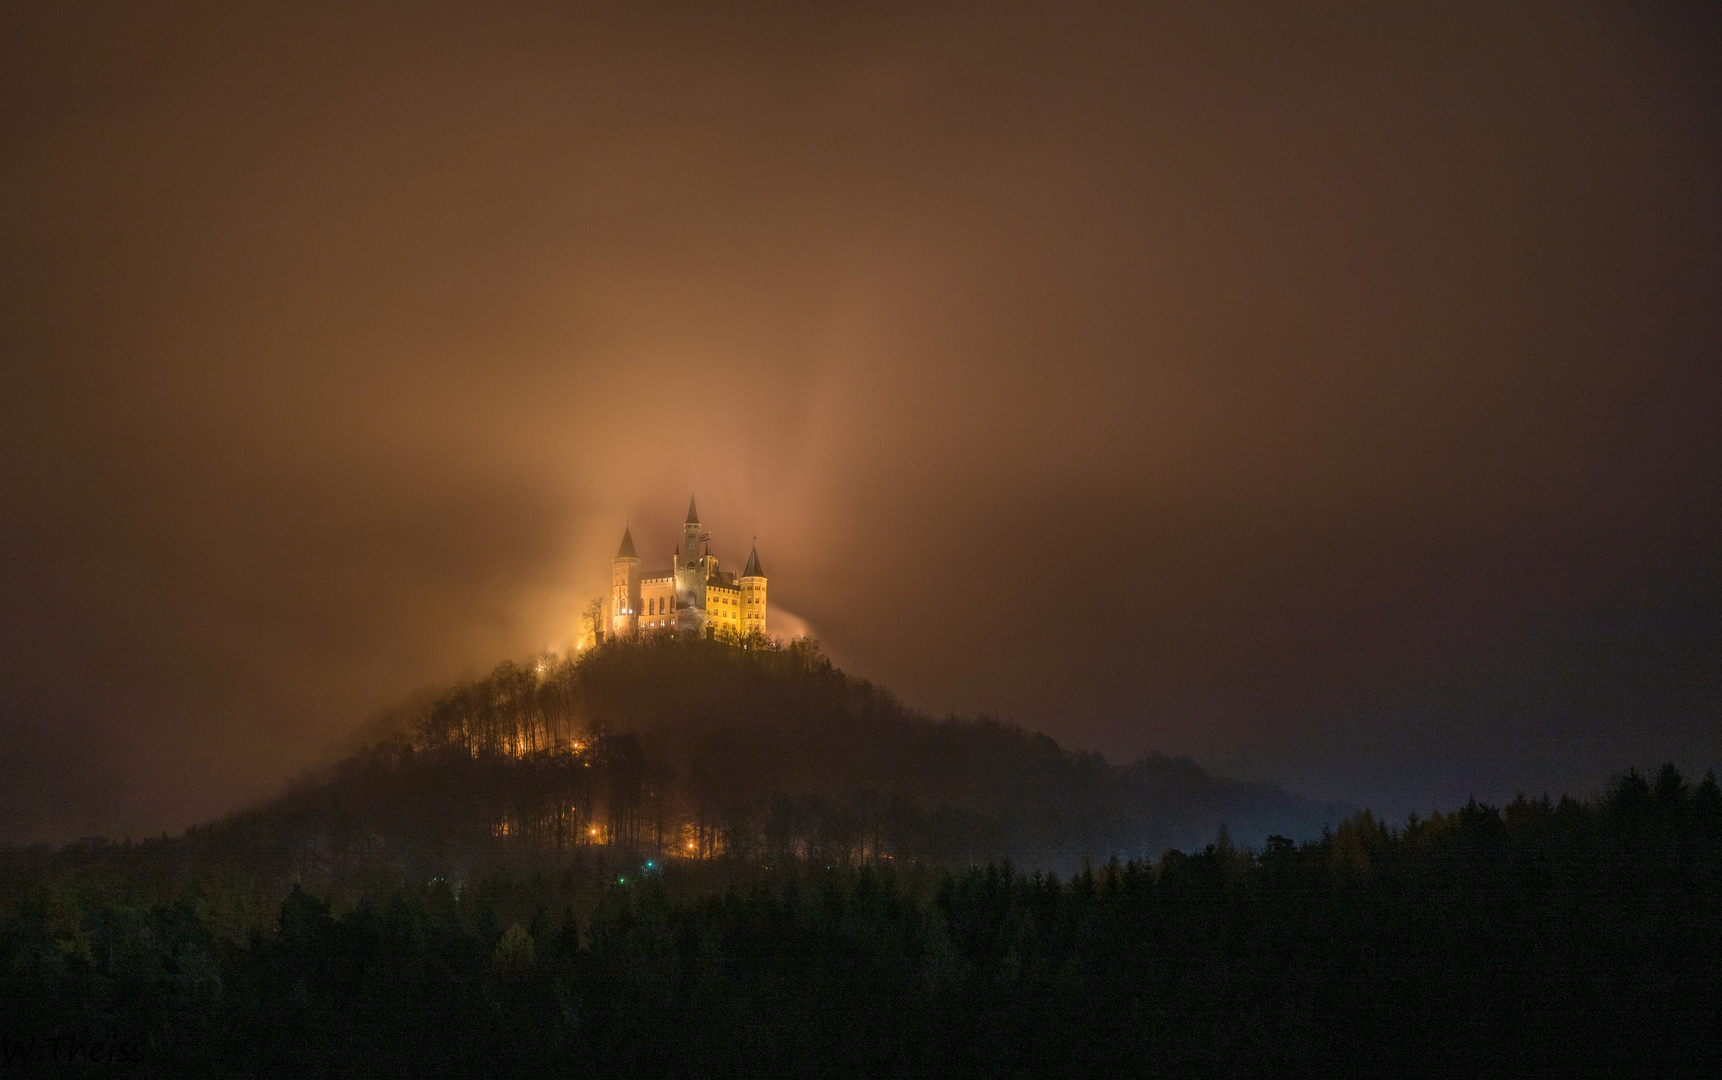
1332	395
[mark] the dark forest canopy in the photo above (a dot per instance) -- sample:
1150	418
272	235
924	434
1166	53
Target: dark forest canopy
1547	937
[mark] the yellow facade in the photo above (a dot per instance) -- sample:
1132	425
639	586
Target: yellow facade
723	608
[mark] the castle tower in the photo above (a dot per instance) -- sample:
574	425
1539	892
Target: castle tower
691	577
752	582
625	588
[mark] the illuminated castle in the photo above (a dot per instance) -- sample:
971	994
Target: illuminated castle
693	597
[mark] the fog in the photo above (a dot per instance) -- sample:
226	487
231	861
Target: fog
1329	395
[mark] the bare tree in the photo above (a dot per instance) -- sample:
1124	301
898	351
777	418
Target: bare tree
593	620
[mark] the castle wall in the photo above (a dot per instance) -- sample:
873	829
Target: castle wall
723	607
657	602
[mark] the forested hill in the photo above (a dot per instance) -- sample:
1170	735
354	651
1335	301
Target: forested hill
700	750
693	860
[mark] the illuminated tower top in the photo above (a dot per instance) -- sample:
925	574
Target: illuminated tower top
691	534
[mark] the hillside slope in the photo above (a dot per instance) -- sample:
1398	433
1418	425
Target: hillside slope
696	750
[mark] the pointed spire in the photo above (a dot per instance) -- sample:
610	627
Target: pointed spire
627	549
753	569
693	512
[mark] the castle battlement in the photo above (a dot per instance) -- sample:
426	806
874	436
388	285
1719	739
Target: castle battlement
692	597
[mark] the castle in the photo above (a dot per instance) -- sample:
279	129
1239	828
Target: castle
692	598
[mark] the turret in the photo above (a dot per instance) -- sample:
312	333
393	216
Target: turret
690	576
691	533
625	587
752	583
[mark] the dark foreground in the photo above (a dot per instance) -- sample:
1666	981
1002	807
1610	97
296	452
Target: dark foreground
1548	939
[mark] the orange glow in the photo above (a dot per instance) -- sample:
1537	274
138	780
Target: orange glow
1352	335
